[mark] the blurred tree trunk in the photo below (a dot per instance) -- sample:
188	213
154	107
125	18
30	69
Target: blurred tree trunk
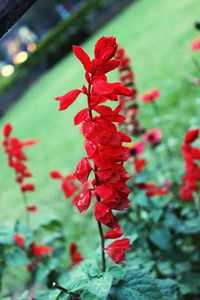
11	11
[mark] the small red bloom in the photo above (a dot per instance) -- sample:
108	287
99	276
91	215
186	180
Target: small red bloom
195	45
191	136
40	250
75	255
29	187
139	165
104	215
116	250
114	233
29	267
83	170
153	137
82	201
19	240
7	129
150	96
56	175
32	208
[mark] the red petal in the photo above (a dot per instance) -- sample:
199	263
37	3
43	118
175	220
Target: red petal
82	56
101	87
191	136
67	99
81	116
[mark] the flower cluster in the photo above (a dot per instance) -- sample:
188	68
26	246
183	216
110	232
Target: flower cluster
14	149
195	45
191	156
129	104
103	141
34	251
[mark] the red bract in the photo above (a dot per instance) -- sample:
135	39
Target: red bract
191	136
114	233
150	96
19	240
191	155
116	250
75	255
83	170
40	250
106	153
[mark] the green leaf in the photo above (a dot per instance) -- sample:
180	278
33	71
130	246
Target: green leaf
16	257
137	286
161	237
88	296
169	289
190	227
6	235
100	287
127	294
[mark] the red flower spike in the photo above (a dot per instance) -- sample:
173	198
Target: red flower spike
83	170
67	99
19	240
75	255
104	215
82	201
116	250
104	141
7	129
114	233
191	136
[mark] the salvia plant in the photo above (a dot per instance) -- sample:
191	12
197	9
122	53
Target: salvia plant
147	218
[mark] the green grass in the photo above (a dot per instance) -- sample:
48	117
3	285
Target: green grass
156	35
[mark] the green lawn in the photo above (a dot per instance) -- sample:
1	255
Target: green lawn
156	35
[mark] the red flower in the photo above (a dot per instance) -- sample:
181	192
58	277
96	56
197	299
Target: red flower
191	136
139	165
83	170
195	45
67	99
56	175
150	96
7	129
82	201
153	137
40	250
19	240
29	187
32	208
75	255
116	250
104	215
114	233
